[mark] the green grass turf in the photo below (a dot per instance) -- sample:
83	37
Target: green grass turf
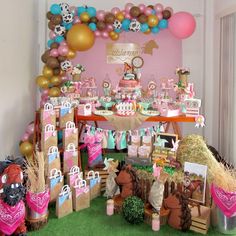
94	222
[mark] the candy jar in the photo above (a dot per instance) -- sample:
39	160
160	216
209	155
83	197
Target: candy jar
155	222
110	207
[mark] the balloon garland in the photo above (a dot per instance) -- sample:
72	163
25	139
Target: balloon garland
76	28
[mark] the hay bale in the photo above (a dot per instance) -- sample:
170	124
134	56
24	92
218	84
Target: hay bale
193	148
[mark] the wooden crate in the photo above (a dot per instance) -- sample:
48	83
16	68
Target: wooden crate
103	174
200	224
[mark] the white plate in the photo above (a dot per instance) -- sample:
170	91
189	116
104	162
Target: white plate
150	113
103	112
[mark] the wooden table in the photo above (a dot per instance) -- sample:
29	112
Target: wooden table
168	120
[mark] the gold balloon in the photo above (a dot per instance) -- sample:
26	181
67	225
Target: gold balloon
71	54
113	35
54	92
148	31
84	17
80	37
120	16
42	82
26	148
55	80
152	20
47	72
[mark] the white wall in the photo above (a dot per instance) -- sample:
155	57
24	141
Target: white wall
18	64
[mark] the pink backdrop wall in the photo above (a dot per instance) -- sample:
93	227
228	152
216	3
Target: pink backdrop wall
161	63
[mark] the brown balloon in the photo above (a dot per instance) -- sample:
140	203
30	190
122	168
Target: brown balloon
56	19
142	18
56	71
151	6
54	45
134	11
166	14
109	18
61	58
51	26
101	25
93	20
45	56
49	15
52	62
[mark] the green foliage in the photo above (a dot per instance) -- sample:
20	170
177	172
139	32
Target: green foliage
133	210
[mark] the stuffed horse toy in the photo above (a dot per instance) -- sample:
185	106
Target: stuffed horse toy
180	215
128	181
12	207
112	188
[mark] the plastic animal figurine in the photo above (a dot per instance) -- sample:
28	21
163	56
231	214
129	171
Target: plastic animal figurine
128	180
180	214
112	188
12	207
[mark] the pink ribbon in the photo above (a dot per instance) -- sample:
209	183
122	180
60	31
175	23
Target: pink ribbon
226	201
38	201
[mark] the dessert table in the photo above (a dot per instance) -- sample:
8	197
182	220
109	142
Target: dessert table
170	121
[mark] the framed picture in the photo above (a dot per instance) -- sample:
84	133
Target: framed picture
168	143
195	181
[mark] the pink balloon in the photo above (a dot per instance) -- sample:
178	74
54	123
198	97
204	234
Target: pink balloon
30	128
97	33
159	16
115	10
63	43
42	103
100	15
25	137
158	7
44	97
109	28
105	34
63	50
54	52
182	25
52	35
148	11
123	11
170	10
76	20
142	7
73	10
128	6
127	15
45	92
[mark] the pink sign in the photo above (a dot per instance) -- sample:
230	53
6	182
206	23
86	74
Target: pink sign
160	58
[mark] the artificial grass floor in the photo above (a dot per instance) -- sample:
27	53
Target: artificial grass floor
93	221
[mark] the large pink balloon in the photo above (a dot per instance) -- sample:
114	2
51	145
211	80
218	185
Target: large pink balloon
182	25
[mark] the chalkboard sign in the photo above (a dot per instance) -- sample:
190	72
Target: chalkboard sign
168	137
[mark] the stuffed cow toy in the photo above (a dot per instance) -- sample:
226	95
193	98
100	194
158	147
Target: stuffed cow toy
12	192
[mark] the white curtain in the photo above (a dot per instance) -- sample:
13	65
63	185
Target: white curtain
227	109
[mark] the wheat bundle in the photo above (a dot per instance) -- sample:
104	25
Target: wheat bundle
35	173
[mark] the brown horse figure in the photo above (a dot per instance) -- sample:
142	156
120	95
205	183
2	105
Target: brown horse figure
128	181
180	215
191	186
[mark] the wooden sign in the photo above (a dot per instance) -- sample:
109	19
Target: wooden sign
118	53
